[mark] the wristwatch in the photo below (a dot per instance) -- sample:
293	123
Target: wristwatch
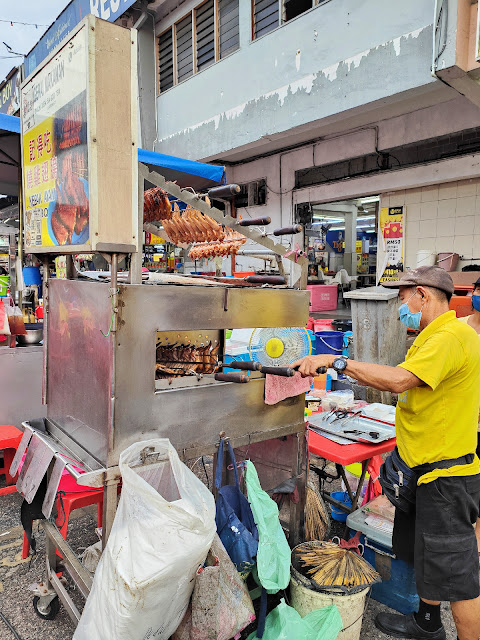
340	364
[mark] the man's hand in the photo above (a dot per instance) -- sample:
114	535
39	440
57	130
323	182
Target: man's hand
308	366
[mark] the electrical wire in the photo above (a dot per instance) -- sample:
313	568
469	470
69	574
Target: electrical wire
10	626
25	24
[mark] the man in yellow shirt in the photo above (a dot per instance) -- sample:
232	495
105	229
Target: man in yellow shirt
438	389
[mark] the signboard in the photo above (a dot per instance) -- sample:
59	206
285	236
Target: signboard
79	148
391	253
55	152
10	94
73	13
151	238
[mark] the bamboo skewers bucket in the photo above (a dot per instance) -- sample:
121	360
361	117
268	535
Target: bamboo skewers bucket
304	599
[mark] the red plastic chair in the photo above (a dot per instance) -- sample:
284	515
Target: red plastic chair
68	501
10	438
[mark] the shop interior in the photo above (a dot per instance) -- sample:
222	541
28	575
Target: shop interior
343	236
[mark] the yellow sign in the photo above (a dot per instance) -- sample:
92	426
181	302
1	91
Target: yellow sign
392	235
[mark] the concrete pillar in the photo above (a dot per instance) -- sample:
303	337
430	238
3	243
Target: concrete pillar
350	255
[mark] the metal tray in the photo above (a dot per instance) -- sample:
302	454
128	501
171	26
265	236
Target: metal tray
355	428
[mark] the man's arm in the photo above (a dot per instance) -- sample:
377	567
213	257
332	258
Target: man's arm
378	376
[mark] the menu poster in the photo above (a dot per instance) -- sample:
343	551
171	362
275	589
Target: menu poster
390	258
55	152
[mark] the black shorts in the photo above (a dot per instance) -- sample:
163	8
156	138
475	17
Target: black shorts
440	540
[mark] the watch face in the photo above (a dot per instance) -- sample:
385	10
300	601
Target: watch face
340	364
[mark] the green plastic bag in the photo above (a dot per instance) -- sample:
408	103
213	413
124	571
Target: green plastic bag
284	623
273	555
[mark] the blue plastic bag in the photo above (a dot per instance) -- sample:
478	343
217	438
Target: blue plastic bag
235	524
284	623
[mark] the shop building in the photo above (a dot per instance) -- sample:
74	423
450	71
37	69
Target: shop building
308	107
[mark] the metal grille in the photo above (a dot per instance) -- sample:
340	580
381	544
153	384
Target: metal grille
205	34
228	25
266	16
184	48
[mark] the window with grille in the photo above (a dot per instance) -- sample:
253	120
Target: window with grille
266	16
228	27
184	48
165	60
205	34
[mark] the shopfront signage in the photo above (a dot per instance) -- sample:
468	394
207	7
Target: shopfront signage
73	13
73	150
391	244
10	94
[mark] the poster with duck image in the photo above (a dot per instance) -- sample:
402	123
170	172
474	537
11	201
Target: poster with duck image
391	244
55	151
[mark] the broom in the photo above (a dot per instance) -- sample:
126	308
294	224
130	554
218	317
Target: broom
317	519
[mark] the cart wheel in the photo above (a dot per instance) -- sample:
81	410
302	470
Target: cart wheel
50	611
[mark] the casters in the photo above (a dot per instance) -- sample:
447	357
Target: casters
46	607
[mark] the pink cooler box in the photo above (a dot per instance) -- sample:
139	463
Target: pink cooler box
323	297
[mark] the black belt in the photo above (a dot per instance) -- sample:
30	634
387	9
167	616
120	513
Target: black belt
444	464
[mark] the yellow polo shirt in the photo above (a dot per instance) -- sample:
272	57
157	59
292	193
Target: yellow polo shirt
438	420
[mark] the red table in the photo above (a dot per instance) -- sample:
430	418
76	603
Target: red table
343	455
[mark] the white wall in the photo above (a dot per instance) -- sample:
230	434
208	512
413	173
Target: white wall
441	218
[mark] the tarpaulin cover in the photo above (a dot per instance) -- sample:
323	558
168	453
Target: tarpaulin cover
183	170
9	154
9	123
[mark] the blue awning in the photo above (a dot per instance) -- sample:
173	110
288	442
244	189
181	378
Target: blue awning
9	123
187	173
9	154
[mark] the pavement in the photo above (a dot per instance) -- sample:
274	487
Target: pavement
16	575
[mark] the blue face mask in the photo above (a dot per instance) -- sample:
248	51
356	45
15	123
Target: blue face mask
409	319
476	302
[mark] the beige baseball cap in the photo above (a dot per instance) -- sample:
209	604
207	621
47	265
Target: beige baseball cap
424	277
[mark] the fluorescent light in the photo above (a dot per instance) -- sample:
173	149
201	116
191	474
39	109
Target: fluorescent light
369	200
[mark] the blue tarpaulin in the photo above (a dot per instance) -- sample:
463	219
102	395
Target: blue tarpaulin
9	123
183	171
9	154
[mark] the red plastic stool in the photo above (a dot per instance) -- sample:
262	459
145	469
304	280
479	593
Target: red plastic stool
68	502
10	438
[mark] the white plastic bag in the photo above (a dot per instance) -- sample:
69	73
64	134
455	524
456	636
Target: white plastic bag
163	529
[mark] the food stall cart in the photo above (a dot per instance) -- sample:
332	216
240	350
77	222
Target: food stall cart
107	384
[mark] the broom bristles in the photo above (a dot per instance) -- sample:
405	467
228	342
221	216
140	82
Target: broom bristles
316	517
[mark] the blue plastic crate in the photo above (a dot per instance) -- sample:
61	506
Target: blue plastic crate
397	589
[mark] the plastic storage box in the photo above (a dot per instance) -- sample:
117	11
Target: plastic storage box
323	297
397	589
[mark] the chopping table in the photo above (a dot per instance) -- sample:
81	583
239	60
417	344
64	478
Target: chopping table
343	455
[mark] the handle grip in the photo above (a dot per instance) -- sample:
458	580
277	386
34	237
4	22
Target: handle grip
278	371
231	377
248	365
224	191
249	222
285	231
265	279
320	370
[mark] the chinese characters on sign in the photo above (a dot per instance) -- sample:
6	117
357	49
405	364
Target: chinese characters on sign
54	144
392	233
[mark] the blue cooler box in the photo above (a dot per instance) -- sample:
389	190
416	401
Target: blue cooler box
397	589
